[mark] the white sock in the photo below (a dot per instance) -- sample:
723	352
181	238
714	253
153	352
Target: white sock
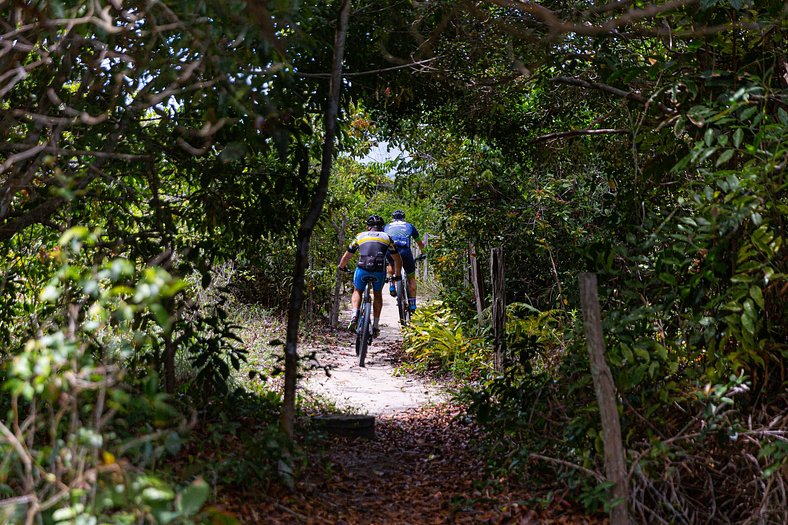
375	322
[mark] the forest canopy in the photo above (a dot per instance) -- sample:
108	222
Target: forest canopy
159	162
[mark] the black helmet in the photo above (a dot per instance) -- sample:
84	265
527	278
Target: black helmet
375	221
398	215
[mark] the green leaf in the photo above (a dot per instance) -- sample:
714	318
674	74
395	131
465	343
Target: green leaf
741	278
68	514
738	135
643	354
678	127
662	351
783	116
75	233
708	137
50	294
157	494
748	113
194	497
725	157
627	353
748	323
757	296
161	315
120	268
749	309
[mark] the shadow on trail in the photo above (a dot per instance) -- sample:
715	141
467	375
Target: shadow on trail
423	467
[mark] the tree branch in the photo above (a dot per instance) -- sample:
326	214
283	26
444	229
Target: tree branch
629	95
577	132
556	26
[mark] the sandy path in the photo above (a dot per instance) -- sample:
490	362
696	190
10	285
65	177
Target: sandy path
374	389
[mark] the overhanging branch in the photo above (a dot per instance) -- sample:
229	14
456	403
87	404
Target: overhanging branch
629	95
578	132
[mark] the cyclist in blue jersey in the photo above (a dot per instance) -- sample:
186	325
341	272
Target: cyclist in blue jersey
401	233
373	247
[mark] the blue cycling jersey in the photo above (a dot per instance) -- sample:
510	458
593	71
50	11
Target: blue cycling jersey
401	233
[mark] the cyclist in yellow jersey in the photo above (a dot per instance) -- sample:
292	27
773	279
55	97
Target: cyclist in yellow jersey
372	247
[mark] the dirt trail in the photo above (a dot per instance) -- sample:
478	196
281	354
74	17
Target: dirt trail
426	465
374	389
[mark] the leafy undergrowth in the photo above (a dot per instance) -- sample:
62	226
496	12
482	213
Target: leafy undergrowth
423	466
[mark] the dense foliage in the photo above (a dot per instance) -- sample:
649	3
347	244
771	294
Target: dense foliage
156	160
657	160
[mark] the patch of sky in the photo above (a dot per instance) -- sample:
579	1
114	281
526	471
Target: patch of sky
385	153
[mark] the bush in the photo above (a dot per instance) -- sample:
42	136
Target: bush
78	434
435	340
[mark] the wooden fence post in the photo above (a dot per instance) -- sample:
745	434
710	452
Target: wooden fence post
476	280
615	462
498	308
466	269
425	262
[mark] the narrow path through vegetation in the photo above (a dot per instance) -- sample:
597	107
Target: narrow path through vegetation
426	464
377	388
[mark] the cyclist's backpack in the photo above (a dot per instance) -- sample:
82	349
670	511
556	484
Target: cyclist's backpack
373	262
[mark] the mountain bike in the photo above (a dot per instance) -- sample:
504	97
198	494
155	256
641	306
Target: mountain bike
403	299
364	326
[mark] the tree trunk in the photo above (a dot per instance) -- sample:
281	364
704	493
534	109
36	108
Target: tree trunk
425	269
287	421
498	308
477	281
615	463
336	300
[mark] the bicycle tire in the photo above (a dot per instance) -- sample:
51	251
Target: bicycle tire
405	299
401	302
360	330
366	330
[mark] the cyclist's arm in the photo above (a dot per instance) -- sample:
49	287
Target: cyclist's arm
414	233
353	248
344	260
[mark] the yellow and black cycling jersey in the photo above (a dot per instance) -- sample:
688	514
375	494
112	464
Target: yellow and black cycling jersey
372	247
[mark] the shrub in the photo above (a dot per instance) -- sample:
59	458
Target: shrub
435	339
77	435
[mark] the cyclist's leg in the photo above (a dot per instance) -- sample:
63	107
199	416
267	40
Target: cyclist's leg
411	285
355	299
377	304
390	274
409	265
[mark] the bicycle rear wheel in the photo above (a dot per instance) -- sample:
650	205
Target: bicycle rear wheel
365	334
402	303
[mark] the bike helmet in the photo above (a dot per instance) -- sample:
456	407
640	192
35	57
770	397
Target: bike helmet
398	215
375	221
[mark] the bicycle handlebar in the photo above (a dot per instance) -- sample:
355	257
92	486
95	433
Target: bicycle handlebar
420	257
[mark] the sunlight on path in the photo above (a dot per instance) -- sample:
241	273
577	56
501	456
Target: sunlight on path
374	389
